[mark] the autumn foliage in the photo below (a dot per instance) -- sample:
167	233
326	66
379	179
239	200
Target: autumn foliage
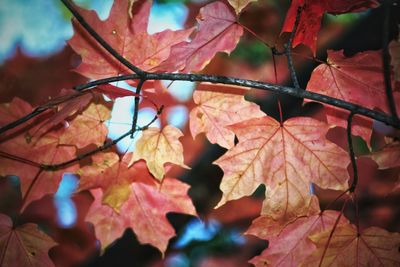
314	175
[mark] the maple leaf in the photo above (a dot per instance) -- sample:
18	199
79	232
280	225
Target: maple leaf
127	35
218	32
88	127
345	79
115	175
286	158
22	154
215	111
23	245
388	157
159	147
238	5
346	247
144	212
311	15
292	245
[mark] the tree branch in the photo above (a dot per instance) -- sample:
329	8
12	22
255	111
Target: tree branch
280	89
285	90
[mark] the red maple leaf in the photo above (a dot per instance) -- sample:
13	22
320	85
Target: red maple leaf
218	32
311	16
357	79
127	35
23	245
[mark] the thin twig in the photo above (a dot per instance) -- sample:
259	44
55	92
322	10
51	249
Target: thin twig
351	154
288	50
100	40
136	107
386	60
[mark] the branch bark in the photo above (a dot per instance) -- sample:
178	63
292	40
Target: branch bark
279	89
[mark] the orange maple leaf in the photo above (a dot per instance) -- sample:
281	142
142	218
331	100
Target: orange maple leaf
292	245
145	212
215	111
116	177
88	127
286	158
159	147
346	247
